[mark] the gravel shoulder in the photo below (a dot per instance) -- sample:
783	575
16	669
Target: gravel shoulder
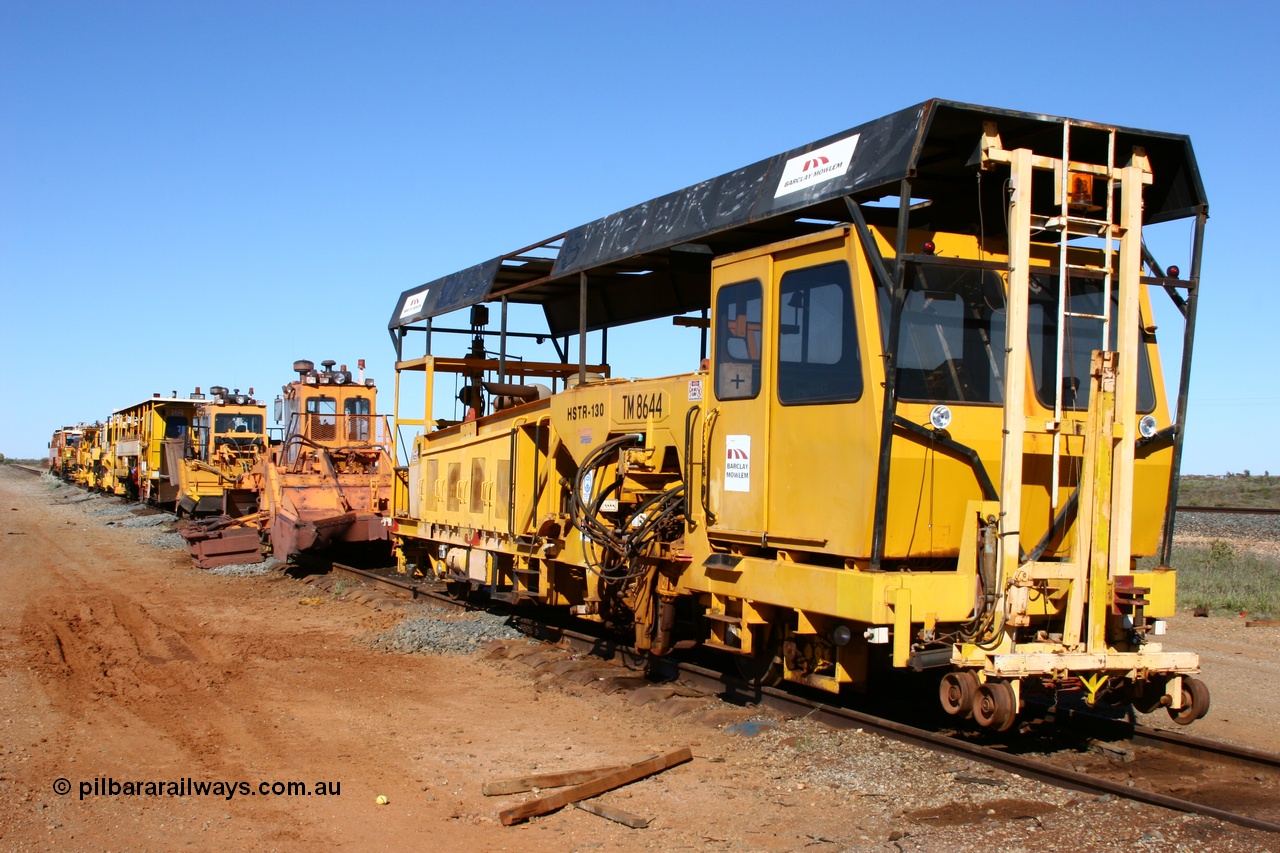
118	660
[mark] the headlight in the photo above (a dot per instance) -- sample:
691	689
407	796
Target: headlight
1147	426
940	417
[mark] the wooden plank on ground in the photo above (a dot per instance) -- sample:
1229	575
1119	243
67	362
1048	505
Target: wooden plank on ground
1262	623
616	815
520	784
595	787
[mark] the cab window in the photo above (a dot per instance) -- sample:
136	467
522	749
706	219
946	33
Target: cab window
322	412
357	410
738	337
1082	334
322	406
952	334
818	357
224	423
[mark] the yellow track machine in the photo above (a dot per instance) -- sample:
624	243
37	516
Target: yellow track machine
143	448
327	481
64	449
226	441
929	432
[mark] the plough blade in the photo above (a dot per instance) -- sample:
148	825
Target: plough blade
227	546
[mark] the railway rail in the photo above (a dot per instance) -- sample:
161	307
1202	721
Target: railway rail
1232	510
732	689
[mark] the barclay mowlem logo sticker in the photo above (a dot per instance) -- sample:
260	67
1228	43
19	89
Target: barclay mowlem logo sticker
413	304
818	166
737	463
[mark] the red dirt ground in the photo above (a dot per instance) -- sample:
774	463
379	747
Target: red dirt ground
120	661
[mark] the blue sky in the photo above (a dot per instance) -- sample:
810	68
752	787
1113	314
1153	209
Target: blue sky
201	193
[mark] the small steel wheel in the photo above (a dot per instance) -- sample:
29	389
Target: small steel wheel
957	691
994	707
1195	702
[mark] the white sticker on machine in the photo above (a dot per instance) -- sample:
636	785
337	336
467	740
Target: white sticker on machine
414	302
817	166
737	463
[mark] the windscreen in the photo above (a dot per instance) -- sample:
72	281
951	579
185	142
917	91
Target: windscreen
951	341
225	423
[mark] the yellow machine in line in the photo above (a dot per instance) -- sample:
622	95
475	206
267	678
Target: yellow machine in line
88	458
226	440
931	435
64	449
327	482
144	447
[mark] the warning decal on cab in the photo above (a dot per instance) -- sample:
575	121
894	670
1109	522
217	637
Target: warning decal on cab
737	463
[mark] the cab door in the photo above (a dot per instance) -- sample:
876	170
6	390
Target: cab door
735	432
819	436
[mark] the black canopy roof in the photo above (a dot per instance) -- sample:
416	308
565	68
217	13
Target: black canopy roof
654	259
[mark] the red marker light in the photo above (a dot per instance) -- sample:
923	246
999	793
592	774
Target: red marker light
1173	272
928	247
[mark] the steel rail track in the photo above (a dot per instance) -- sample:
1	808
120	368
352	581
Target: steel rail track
1176	742
732	689
1232	510
1198	747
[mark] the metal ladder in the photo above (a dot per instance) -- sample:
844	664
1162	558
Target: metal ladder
1102	541
1069	226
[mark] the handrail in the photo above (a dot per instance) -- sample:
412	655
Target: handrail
689	419
708	426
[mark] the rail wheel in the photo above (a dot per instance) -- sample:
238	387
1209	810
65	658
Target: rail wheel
995	707
1195	704
957	692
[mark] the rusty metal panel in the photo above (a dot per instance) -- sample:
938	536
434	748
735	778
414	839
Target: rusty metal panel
172	461
225	547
